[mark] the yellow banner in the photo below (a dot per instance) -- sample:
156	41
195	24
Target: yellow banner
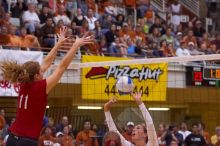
98	83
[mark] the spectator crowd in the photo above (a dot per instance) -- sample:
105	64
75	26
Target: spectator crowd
112	23
63	134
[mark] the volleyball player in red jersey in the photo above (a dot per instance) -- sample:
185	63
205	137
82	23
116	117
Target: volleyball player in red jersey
32	99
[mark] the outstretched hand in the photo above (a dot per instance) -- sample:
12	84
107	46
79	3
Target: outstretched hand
84	40
108	104
137	97
62	35
112	101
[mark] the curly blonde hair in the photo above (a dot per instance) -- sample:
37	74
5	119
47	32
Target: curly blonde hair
19	73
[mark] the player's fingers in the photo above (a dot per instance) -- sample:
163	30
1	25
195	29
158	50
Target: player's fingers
140	92
63	32
60	31
85	35
58	35
113	99
135	94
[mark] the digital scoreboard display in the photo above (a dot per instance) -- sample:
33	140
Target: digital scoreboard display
211	73
202	76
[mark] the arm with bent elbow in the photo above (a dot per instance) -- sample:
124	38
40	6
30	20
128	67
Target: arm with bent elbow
151	132
111	124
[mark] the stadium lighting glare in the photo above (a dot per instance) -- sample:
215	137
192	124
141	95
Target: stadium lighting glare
158	109
89	107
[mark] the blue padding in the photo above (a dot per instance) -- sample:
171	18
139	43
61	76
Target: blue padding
129	80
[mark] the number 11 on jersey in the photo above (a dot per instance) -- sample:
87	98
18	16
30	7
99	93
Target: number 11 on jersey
25	102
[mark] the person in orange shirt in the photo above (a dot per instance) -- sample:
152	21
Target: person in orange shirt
46	139
67	140
107	7
129	5
150	14
58	139
28	41
2	122
86	136
5	21
169	51
128	131
91	4
14	40
190	38
53	6
204	133
4	37
205	39
61	2
139	34
126	33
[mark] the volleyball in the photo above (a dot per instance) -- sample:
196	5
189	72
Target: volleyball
124	85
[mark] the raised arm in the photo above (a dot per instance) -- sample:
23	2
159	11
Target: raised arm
110	122
151	132
48	60
53	79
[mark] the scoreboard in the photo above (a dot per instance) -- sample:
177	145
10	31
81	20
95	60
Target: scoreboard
203	76
211	73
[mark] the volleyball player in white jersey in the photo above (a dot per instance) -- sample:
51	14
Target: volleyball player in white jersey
141	135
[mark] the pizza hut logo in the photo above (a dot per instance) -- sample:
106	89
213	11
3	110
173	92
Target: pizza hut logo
116	71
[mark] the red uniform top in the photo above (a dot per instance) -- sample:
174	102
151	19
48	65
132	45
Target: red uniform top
32	101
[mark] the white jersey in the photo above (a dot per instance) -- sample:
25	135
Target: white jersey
185	133
175	18
152	136
175	8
